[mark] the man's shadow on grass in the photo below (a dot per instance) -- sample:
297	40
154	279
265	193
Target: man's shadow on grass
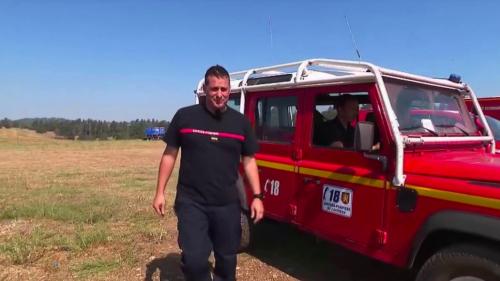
169	268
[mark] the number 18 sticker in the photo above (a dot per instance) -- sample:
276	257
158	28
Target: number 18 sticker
337	200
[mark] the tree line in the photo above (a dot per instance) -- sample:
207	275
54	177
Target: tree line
86	129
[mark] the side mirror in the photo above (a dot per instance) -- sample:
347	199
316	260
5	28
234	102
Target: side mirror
363	136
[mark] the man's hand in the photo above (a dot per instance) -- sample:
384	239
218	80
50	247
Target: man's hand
166	165
159	204
337	144
252	172
257	210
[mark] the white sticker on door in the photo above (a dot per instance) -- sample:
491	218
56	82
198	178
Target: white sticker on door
337	200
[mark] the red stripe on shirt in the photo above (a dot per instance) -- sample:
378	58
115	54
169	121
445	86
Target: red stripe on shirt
210	133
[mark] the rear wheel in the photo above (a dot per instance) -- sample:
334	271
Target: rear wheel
462	263
245	231
245	221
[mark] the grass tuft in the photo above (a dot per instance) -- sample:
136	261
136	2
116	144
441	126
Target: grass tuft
25	248
96	267
95	235
89	211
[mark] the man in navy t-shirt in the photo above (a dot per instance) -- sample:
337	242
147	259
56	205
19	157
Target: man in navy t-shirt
214	140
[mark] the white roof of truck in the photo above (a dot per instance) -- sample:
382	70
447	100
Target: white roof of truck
313	72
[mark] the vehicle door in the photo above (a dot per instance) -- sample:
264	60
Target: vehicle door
274	116
342	191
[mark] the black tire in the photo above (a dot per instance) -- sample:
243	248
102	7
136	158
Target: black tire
246	232
474	261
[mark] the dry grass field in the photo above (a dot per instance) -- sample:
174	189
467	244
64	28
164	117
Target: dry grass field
80	210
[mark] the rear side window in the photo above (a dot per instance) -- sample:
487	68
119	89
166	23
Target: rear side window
234	101
275	119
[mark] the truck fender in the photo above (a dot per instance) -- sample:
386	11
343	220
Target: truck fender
456	221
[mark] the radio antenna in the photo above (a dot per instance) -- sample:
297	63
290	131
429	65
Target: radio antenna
352	38
271	32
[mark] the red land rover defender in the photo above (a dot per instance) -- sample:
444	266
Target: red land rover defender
418	187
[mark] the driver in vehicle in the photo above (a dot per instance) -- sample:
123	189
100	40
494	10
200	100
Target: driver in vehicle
341	128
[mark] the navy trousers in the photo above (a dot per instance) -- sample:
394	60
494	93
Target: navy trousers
203	229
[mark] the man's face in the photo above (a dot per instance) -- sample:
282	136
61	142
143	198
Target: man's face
217	92
349	112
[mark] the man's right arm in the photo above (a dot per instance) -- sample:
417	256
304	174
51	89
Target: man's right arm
166	166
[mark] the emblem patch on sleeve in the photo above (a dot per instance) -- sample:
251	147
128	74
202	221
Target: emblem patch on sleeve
337	200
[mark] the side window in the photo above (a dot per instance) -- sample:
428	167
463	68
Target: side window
234	101
335	116
275	119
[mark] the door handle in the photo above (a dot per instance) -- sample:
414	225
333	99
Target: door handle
308	180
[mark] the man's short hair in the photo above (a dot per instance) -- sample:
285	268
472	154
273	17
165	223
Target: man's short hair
343	99
217	71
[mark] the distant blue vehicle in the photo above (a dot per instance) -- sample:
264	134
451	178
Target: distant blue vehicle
154	133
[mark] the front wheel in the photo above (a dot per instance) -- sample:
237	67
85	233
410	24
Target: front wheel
462	263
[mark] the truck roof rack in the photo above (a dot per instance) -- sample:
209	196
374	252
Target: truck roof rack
316	72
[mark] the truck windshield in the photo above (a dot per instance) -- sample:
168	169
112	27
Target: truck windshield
430	111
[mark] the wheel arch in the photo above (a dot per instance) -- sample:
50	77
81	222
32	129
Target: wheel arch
449	227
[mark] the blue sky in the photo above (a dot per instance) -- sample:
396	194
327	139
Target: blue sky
123	60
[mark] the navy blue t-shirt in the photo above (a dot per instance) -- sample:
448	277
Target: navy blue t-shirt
211	150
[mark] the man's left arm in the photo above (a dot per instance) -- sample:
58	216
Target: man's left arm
252	173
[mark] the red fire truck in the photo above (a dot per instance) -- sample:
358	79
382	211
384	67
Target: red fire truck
420	186
491	110
489	105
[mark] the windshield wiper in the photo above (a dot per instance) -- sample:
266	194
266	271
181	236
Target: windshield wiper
454	126
420	127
